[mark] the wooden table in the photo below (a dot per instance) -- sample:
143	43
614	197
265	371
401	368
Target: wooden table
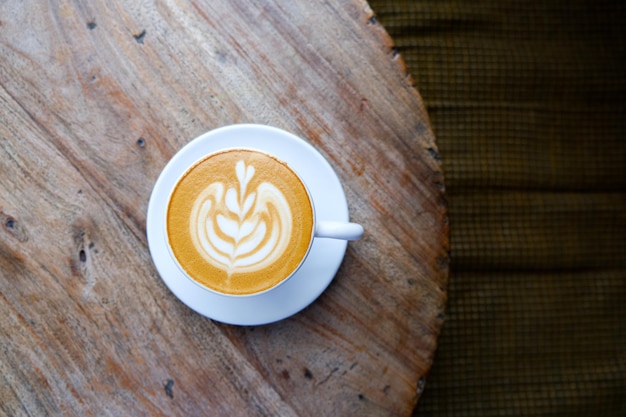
95	98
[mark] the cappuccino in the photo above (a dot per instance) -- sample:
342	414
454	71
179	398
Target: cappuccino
239	222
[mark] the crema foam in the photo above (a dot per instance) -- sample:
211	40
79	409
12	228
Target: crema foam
239	222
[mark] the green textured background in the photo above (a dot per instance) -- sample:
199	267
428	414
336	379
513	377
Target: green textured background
527	101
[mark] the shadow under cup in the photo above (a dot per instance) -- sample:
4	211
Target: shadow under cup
239	222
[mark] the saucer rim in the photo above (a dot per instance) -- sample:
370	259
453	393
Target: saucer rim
289	297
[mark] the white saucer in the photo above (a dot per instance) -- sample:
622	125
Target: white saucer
324	258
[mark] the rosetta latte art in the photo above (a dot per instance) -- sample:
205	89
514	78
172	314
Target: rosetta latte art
238	229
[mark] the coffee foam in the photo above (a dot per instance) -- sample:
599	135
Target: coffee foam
239	221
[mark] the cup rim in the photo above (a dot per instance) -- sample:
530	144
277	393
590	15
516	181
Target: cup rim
223	150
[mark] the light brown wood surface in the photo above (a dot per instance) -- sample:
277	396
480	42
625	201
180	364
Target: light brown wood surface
95	97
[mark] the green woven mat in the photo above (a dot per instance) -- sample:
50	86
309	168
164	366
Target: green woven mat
528	104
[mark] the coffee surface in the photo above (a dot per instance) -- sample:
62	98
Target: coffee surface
239	221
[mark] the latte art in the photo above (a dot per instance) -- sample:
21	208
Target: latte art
240	229
239	222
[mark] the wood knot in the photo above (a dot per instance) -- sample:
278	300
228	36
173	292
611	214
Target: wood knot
139	37
13	227
169	388
434	154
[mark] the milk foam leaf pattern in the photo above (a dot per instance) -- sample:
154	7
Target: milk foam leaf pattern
241	230
247	204
228	226
232	201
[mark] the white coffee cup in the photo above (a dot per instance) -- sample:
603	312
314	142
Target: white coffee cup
254	139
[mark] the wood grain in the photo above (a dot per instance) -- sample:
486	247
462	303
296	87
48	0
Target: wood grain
95	98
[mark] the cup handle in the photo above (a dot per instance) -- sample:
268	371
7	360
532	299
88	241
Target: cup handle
338	230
